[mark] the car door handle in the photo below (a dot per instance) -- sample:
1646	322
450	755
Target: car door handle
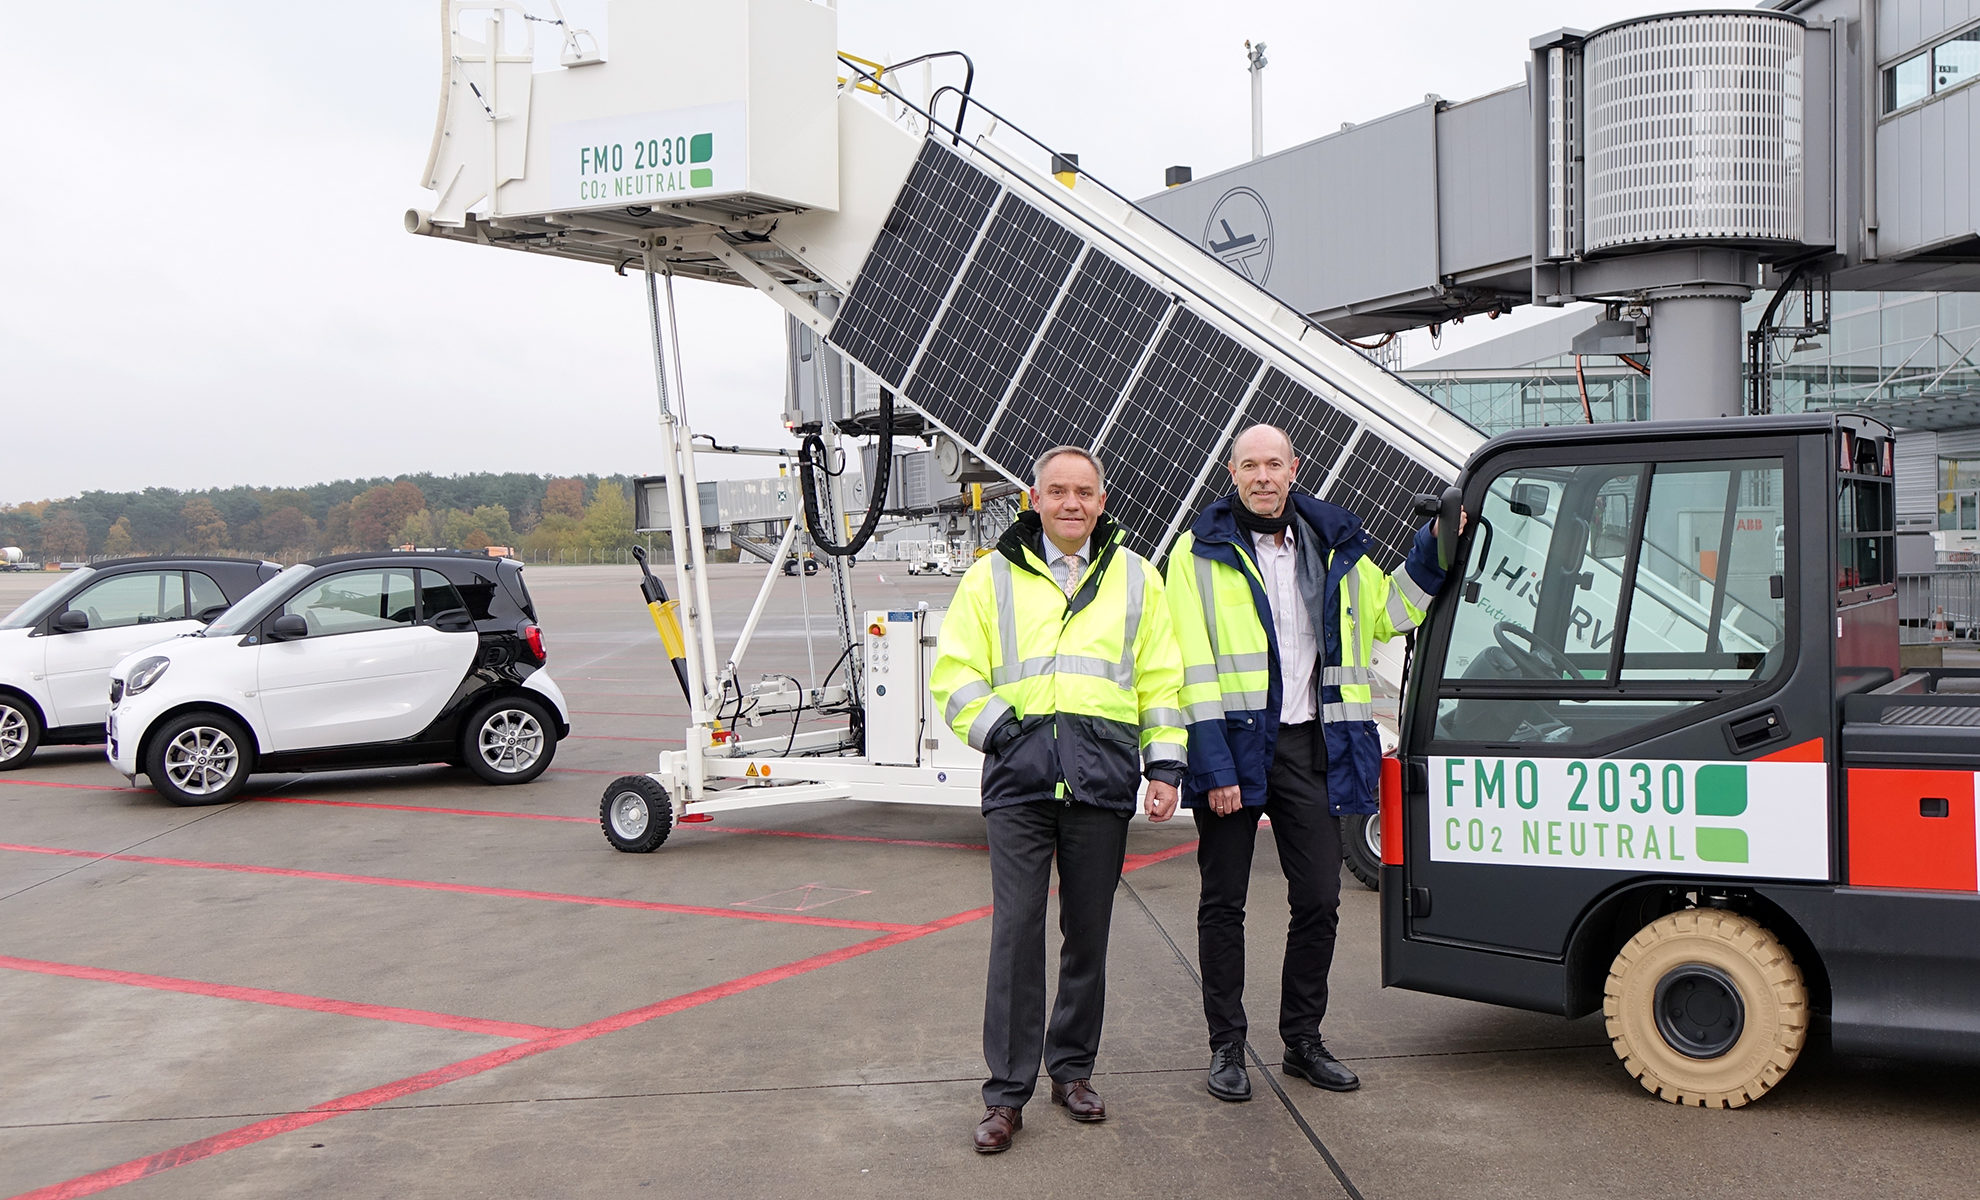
1759	729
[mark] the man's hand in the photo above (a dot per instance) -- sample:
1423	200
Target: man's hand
1226	800
1159	801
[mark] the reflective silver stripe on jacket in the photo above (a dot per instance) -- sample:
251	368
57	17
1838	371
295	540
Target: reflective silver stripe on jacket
1352	710
1342	676
1353	647
1411	588
1155	717
1125	676
1007	629
1206	673
1240	701
993	715
1011	673
1204	710
962	697
1399	617
1159	752
1205	594
1260	660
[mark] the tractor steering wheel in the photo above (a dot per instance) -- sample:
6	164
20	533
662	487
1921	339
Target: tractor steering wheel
1536	658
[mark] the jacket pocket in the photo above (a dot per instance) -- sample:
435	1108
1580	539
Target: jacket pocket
1026	767
1251	752
1102	759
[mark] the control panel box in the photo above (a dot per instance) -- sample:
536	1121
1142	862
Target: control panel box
903	727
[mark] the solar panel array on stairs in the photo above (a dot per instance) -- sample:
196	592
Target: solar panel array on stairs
1015	330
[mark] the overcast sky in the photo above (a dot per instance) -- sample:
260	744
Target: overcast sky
207	282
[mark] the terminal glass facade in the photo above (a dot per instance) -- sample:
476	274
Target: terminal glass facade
1881	348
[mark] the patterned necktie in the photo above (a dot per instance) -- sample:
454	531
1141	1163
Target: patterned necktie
1067	569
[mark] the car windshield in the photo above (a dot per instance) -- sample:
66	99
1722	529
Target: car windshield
255	605
46	600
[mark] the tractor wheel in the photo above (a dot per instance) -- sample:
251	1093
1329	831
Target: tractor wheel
1706	1007
1361	848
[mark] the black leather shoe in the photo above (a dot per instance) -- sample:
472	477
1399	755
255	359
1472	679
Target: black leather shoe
999	1124
1228	1078
1081	1101
1308	1059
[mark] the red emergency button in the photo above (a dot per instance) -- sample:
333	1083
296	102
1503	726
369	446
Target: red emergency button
876	629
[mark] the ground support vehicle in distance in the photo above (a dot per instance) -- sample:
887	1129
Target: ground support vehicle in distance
361	660
57	649
1758	819
929	566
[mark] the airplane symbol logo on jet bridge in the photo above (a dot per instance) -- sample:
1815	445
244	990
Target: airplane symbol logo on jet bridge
1239	233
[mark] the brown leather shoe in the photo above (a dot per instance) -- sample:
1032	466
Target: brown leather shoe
1081	1101
999	1124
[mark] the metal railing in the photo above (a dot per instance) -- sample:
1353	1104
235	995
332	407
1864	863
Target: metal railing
1939	606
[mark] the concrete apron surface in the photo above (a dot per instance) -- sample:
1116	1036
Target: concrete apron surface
404	983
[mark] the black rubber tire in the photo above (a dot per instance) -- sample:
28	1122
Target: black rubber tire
503	729
636	814
207	733
1712	951
20	732
1361	848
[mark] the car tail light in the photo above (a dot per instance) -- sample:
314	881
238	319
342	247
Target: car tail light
534	637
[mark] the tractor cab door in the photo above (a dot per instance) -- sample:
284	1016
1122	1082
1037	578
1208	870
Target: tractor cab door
1625	625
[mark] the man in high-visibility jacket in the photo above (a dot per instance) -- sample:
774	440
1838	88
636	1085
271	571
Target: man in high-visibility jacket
1277	609
1056	660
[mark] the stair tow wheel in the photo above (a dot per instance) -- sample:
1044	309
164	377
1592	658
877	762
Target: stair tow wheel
636	814
1706	1007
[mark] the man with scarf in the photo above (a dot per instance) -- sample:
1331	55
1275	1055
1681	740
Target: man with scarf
1277	607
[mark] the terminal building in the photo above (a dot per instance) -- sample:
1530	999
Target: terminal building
1767	210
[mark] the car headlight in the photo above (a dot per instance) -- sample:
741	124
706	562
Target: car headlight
146	673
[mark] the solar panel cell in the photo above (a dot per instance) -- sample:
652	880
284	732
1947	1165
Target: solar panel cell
1081	365
1168	429
1379	483
993	317
921	247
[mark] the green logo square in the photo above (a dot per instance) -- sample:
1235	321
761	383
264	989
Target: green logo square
701	177
701	148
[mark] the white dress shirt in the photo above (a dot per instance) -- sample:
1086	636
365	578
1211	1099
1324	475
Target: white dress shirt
1067	574
1278	564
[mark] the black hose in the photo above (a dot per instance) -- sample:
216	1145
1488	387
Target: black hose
811	462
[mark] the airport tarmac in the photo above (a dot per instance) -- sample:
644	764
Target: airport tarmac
406	984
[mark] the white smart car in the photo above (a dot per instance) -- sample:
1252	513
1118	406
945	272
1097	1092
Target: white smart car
56	650
362	660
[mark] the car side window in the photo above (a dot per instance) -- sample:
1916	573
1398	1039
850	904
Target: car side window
205	594
354	602
139	598
438	594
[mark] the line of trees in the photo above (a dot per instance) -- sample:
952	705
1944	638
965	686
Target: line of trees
533	514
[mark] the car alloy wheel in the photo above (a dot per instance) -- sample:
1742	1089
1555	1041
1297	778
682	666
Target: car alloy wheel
12	733
510	740
201	760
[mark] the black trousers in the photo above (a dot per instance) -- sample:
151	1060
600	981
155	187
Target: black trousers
1309	840
1090	845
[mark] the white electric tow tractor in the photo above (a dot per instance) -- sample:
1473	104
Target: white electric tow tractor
926	243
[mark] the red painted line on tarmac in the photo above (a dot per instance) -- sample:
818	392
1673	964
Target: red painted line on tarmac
421	808
692	910
844	837
221	991
86	787
595	712
584	771
247	1135
1137	861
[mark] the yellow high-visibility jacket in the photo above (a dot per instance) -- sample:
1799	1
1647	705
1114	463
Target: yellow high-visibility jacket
1069	699
1232	687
